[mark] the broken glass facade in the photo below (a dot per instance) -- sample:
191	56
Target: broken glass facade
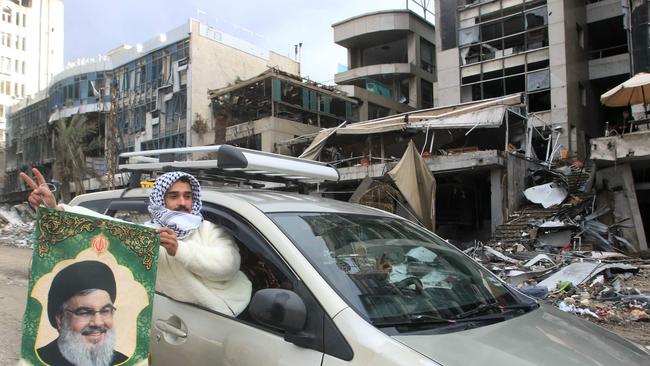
283	97
28	140
640	39
153	86
79	90
503	50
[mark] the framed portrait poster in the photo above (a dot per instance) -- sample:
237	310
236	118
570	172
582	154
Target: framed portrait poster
90	293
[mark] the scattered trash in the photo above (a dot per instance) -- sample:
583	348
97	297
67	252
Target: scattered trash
549	194
571	308
540	292
570	252
580	272
17	225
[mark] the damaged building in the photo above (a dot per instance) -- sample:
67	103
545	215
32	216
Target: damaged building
156	91
463	146
276	106
623	182
391	62
562	54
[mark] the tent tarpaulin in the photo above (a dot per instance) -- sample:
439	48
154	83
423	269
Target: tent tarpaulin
313	150
415	181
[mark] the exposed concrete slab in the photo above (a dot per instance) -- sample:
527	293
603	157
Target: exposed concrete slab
616	190
609	66
371	26
624	148
381	69
603	10
630	192
496	198
438	164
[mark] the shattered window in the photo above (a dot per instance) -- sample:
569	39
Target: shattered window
426	55
539	80
536	18
537	38
468	35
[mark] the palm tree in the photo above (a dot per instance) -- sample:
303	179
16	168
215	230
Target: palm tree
73	138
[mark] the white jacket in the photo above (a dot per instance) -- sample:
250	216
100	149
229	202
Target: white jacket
204	271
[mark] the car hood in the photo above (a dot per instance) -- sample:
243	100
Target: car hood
545	336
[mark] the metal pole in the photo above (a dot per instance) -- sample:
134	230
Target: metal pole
111	144
629	35
507	130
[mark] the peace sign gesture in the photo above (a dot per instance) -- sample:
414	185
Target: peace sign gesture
41	193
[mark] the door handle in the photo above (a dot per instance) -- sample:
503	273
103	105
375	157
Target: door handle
165	327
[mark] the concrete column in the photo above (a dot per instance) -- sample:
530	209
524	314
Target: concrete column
630	193
496	199
413	48
363	111
415	97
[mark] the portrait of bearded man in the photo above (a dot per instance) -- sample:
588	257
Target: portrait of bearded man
80	306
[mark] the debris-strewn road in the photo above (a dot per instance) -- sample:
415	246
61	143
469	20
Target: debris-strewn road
14	264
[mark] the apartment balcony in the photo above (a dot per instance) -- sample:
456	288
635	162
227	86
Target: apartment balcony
602	65
376	70
604	9
372	28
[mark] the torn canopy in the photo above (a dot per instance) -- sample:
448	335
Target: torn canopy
483	114
415	181
312	152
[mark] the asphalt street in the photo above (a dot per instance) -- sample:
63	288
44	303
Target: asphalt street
14	266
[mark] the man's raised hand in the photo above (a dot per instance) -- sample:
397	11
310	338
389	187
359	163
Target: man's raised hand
41	193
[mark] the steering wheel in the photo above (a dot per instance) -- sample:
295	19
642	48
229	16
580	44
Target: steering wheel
403	284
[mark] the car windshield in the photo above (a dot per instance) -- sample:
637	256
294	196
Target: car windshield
394	272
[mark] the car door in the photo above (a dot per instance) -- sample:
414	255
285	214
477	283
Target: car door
188	334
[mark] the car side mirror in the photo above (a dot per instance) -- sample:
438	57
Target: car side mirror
278	308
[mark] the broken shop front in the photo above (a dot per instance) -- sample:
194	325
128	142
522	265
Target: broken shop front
464	146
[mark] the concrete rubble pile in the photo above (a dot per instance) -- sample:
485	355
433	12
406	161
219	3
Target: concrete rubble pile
566	250
17	225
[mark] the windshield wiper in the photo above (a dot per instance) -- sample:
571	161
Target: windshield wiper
424	318
487	308
416	319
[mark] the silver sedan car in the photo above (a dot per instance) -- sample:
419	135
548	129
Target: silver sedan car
342	284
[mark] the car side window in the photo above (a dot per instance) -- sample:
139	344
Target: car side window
96	205
133	216
262	266
134	211
267	269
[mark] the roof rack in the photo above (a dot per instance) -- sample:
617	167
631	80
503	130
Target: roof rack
234	163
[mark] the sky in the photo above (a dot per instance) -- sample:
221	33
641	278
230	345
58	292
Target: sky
95	27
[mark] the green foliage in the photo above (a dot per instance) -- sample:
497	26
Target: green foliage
73	138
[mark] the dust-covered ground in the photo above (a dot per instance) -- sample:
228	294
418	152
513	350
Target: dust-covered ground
617	314
14	264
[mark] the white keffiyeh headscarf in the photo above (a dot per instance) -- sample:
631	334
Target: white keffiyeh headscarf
182	223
